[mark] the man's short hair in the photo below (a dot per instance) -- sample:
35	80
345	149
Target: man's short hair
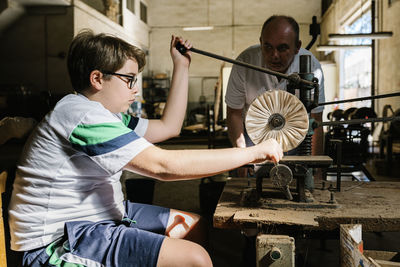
290	20
106	53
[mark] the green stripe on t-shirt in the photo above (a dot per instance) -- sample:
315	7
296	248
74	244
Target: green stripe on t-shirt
93	134
126	118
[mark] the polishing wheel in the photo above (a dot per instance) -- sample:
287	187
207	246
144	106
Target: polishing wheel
280	115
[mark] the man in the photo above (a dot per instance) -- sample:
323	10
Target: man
279	50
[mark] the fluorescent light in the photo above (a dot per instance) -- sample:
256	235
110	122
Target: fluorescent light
201	28
372	35
339	47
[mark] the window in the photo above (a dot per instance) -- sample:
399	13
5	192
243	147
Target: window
143	12
355	76
130	4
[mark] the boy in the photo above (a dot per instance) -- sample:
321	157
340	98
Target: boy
67	205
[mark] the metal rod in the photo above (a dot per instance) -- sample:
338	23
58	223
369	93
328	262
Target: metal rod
241	63
373	59
359	99
338	164
359	121
373	55
293	77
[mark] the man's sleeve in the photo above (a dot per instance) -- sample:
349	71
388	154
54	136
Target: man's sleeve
235	96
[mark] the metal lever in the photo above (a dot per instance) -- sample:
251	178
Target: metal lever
294	78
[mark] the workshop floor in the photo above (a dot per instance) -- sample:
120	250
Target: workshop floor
227	247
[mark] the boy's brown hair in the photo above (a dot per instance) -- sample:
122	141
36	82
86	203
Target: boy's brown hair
106	53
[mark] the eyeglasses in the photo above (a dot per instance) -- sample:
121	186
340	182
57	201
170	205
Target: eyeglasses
132	79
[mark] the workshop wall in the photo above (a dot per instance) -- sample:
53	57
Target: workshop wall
10	12
133	30
34	46
237	25
30	50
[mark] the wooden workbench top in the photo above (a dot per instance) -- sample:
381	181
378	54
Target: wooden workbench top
376	205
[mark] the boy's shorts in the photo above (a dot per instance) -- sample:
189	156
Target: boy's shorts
134	241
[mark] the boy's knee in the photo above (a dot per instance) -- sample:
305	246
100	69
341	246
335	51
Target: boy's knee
178	252
199	257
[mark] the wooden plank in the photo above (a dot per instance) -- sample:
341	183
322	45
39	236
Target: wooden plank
383	263
373	262
381	255
303	159
383	258
306	159
351	245
3	259
375	205
263	216
3	179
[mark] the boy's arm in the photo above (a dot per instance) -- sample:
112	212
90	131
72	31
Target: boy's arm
190	164
171	121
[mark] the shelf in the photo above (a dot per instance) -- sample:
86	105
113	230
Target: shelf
155	90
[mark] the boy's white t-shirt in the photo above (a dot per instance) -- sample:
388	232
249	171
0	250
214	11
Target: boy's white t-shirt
70	170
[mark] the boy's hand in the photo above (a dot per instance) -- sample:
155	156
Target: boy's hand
177	57
269	150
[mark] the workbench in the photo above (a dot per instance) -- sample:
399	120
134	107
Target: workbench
375	205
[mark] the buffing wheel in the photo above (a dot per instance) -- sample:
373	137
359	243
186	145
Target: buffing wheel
280	115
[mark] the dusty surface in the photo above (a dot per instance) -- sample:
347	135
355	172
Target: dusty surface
376	205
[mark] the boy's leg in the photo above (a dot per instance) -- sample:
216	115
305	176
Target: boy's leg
180	252
189	226
176	249
170	222
180	228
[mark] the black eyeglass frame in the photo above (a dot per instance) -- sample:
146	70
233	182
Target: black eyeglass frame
132	78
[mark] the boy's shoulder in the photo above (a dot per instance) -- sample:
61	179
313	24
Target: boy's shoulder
75	101
73	109
76	105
